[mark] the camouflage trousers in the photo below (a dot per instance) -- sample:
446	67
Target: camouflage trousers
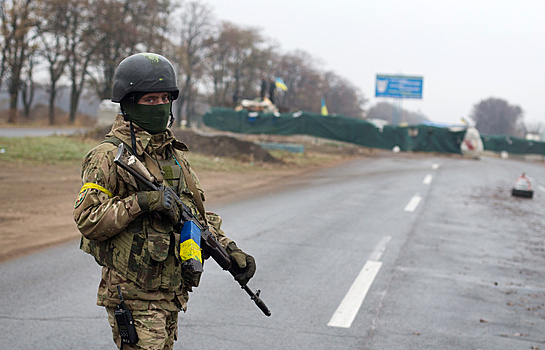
156	329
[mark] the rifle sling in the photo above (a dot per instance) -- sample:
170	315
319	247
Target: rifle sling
156	172
193	188
153	168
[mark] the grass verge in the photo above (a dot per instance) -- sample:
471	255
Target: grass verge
69	150
50	149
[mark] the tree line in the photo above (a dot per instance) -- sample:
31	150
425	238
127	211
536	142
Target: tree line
494	116
79	43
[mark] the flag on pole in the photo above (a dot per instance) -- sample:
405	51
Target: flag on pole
324	108
280	84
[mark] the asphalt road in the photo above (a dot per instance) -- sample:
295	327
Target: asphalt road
395	252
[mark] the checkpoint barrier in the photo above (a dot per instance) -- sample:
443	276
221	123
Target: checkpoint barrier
416	138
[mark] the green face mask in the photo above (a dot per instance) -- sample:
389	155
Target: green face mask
152	118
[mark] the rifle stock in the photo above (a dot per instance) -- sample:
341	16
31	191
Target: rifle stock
209	243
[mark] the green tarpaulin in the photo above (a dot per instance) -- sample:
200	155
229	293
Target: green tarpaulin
510	144
418	138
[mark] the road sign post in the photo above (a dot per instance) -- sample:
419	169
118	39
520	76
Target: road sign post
398	87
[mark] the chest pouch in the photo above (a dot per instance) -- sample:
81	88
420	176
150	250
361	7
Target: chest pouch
158	238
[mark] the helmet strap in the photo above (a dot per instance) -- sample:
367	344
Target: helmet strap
172	119
125	116
133	138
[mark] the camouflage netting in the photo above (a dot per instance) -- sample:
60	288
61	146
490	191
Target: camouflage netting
417	138
357	131
510	144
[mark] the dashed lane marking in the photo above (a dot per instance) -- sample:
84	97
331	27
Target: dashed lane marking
352	301
427	179
413	203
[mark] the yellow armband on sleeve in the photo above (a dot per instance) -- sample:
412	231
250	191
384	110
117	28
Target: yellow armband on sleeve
90	185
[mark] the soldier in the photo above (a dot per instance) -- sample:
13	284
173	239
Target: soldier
128	229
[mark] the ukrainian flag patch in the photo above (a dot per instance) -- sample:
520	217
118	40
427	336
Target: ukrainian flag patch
190	242
81	198
190	250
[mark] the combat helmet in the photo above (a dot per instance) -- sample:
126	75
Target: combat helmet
144	72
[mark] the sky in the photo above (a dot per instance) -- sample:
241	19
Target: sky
466	51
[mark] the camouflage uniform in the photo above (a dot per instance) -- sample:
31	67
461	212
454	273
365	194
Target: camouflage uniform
139	251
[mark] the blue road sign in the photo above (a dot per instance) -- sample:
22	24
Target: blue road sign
398	86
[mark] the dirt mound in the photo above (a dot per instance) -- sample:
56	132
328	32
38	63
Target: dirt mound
213	145
225	146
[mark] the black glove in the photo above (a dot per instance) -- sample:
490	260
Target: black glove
163	201
244	264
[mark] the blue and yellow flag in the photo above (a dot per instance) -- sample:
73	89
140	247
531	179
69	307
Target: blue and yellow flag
281	85
190	246
324	108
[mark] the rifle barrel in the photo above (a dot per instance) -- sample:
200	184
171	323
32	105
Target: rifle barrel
257	300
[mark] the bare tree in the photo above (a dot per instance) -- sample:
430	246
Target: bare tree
217	70
497	116
236	61
52	30
385	111
4	39
28	86
381	110
289	67
413	118
17	29
82	43
343	97
124	27
306	84
194	26
244	59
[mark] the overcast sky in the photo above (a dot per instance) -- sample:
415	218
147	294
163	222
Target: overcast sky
466	51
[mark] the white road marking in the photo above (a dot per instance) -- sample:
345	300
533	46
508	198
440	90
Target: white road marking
435	166
541	188
351	303
413	203
427	179
379	250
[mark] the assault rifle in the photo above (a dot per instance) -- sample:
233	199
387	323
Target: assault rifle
209	244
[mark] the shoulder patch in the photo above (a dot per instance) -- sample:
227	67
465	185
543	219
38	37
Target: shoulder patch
81	198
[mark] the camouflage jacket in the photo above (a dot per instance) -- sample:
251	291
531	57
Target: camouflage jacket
139	251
